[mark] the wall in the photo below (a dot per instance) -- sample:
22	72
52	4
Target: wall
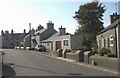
76	41
118	40
106	62
61	38
107	34
27	41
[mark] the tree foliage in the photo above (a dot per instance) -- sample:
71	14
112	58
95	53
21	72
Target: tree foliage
89	17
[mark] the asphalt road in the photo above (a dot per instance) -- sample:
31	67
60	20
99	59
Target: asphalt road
31	63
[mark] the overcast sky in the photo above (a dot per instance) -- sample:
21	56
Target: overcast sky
17	14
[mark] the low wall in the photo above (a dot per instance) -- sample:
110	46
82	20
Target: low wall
107	62
1	60
77	57
72	56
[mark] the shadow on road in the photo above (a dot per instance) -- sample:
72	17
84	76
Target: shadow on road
32	68
7	71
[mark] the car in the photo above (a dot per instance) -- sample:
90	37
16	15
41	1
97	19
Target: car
40	48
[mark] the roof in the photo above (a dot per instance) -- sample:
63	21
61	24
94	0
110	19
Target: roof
40	31
113	25
50	38
17	35
54	36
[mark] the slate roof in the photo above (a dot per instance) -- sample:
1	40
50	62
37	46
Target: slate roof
40	31
113	25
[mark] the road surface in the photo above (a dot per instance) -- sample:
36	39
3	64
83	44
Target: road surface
31	63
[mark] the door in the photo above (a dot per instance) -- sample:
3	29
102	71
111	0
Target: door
58	45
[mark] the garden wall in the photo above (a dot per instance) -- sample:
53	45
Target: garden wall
106	62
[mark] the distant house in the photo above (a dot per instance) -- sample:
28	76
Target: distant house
61	40
10	40
27	39
40	34
110	36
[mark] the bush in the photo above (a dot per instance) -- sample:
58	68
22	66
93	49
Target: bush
94	50
104	51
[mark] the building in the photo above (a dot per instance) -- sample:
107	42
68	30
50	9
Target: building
110	36
40	34
10	40
62	40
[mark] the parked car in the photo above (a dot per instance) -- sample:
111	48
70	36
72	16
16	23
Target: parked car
40	48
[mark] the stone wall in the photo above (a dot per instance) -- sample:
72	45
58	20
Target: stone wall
106	62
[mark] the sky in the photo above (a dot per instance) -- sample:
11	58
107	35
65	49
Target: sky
17	14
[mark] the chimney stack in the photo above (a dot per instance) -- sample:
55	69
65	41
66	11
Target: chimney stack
62	31
50	25
114	17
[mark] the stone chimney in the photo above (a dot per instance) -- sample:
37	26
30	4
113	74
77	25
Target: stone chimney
50	25
62	31
24	31
6	32
114	17
2	32
40	27
12	31
32	31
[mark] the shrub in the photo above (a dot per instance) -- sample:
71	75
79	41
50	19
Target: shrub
94	50
104	51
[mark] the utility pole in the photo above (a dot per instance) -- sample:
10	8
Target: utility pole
116	7
30	33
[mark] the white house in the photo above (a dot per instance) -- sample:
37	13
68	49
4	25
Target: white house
61	40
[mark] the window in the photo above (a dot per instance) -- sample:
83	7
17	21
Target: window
65	43
103	42
106	42
111	40
47	44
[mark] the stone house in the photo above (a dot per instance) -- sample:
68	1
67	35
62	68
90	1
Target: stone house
110	36
10	40
61	40
40	34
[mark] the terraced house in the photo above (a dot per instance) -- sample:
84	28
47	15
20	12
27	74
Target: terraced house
10	40
110	36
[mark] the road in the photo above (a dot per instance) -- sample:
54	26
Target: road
30	63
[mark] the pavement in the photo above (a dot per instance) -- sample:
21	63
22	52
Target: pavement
53	55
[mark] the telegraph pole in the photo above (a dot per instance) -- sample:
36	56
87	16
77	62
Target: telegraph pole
30	33
116	7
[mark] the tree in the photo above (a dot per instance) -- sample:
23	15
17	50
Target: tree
89	17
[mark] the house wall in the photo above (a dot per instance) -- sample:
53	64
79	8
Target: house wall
10	41
102	40
76	41
27	41
38	38
118	40
44	35
67	42
62	38
48	46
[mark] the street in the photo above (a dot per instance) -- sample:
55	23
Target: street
31	63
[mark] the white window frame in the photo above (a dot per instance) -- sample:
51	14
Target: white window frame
111	39
67	43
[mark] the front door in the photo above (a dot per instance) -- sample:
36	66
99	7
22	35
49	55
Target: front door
58	45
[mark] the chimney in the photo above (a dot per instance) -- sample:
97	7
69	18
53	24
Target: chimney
62	31
50	25
40	27
114	17
12	31
2	32
6	32
24	31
